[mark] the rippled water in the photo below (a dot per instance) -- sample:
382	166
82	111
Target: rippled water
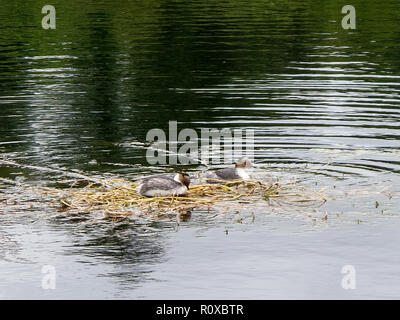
324	104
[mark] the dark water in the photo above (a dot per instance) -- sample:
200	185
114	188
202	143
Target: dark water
324	104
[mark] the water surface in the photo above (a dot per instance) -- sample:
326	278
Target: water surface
324	104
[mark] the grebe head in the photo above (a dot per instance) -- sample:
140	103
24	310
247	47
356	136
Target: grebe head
243	163
183	178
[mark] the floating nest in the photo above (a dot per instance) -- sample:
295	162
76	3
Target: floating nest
118	198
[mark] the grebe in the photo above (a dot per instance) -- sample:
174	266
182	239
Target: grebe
163	186
238	172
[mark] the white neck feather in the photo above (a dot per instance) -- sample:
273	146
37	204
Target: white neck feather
242	173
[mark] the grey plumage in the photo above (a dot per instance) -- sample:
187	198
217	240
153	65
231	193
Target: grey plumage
237	172
225	174
164	185
161	183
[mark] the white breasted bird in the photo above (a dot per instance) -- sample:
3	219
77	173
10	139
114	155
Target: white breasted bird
164	186
238	172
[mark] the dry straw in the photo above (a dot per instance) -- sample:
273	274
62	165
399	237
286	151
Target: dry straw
118	198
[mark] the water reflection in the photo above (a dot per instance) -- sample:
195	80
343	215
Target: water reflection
131	249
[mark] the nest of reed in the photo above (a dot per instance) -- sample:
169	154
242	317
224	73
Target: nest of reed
118	198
